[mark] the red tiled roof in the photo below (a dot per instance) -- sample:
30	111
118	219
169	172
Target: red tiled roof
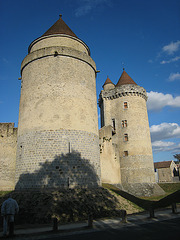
108	81
59	27
164	164
125	79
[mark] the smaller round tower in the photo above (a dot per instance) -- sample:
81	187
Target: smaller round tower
108	84
123	107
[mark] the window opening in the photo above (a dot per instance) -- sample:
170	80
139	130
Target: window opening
125	153
124	123
125	137
125	105
113	124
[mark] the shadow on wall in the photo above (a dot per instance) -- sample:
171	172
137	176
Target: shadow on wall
65	171
66	188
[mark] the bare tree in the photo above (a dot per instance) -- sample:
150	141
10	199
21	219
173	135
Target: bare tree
177	156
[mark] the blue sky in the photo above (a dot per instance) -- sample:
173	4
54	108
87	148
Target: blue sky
142	35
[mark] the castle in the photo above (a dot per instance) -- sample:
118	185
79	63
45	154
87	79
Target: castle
57	143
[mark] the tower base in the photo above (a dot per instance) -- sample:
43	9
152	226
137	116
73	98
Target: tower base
142	189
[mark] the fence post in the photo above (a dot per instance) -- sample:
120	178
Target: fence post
174	208
124	216
55	224
151	213
90	220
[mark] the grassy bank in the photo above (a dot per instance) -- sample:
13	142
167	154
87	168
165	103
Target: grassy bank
73	205
154	202
70	205
170	187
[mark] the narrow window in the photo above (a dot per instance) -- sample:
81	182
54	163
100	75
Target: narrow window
125	105
124	123
113	124
125	153
125	137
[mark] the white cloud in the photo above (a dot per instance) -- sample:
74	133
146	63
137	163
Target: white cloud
174	76
175	59
83	10
171	48
156	101
87	5
5	60
164	131
160	146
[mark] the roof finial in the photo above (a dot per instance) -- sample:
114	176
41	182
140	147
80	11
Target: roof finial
123	64
60	15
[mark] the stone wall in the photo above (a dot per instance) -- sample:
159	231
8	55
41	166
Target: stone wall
8	143
164	175
61	158
110	166
59	40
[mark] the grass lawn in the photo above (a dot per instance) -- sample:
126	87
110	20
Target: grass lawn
172	194
170	187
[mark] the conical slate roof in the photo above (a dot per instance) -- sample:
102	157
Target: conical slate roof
108	81
59	27
125	79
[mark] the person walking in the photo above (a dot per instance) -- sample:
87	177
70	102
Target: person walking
8	210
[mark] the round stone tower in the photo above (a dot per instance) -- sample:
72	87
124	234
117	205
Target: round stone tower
58	124
124	108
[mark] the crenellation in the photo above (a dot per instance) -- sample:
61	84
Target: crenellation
124	90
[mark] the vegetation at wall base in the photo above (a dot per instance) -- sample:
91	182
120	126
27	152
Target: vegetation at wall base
73	205
67	205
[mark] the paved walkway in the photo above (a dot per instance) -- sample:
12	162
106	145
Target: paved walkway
24	232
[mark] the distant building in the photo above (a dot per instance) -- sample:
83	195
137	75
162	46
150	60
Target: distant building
166	171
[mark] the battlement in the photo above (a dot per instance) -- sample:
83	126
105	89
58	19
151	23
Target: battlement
7	129
124	90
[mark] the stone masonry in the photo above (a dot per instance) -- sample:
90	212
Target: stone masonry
69	154
8	144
